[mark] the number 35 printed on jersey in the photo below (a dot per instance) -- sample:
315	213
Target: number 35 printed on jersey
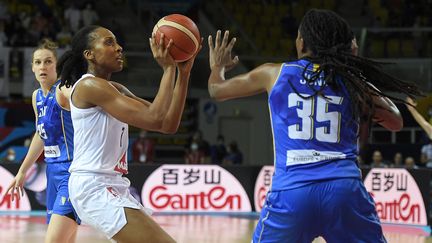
315	109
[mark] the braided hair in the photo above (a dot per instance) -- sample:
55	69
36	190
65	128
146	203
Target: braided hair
329	37
72	64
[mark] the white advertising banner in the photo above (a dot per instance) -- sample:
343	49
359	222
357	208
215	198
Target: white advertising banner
262	186
6	203
398	198
194	188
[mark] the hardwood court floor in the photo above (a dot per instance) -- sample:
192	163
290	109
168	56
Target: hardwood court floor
184	228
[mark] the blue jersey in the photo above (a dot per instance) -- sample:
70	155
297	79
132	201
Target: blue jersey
315	137
54	126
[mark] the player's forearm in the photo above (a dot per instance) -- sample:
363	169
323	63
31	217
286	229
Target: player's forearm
175	112
421	121
217	76
35	150
159	106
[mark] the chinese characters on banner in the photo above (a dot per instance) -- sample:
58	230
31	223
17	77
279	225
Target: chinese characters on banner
185	188
397	196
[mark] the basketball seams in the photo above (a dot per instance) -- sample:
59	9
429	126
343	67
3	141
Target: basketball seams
180	27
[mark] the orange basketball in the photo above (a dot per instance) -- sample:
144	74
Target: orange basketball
184	33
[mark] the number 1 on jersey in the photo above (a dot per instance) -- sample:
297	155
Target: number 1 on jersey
315	109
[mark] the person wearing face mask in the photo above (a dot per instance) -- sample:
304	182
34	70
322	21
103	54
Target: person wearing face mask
194	155
10	157
218	151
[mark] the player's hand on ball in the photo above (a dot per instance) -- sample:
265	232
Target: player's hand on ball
160	52
186	66
220	52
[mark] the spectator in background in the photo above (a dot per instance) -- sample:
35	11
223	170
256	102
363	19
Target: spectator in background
89	15
194	155
234	155
397	161
72	17
10	157
426	150
64	37
410	163
3	36
418	37
143	148
377	160
218	151
202	145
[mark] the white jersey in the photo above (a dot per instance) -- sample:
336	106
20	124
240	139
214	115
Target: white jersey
100	140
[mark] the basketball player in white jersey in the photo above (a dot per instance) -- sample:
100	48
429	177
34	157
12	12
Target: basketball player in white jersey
101	111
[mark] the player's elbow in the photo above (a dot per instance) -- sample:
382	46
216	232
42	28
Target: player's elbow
169	130
395	124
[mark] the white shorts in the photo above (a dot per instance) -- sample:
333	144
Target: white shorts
99	201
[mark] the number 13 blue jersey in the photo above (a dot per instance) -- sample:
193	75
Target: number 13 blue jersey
315	138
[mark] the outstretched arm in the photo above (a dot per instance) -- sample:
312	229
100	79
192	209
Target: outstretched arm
35	150
258	80
427	127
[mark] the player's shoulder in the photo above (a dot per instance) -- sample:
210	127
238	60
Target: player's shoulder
295	65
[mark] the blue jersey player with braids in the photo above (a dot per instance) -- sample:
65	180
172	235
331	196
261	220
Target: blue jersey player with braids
54	137
317	105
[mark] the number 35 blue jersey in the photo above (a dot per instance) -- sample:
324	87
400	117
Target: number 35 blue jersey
54	126
315	138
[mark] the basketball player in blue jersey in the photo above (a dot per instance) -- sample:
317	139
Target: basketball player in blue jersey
55	138
316	105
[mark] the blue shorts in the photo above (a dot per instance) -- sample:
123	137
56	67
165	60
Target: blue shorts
57	193
339	210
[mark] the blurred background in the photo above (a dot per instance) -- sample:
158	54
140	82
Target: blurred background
232	132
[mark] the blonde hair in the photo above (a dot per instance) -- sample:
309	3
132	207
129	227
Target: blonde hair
46	44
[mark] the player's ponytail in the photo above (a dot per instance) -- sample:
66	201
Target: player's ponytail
72	64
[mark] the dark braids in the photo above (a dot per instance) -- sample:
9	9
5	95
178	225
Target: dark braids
328	37
72	64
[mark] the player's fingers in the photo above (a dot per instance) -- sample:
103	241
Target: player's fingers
217	39
210	42
225	38
235	60
161	40
13	192
170	43
231	44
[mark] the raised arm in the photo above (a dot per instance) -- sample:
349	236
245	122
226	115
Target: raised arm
94	91
175	111
258	80
35	150
427	127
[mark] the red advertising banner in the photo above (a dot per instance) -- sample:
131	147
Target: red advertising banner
6	203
